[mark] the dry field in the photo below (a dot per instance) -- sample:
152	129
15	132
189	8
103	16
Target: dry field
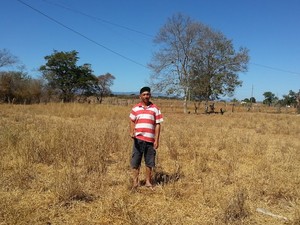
69	164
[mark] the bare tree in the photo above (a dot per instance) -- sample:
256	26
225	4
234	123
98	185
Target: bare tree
171	64
6	58
19	87
104	82
195	61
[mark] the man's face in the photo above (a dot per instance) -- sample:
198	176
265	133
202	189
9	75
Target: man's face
145	96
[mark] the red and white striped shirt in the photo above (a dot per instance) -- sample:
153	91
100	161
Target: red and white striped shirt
145	119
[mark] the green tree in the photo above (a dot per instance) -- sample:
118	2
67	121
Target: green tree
87	83
290	99
270	98
246	100
63	75
216	65
252	100
194	60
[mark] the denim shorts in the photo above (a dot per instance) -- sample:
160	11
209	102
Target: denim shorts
140	149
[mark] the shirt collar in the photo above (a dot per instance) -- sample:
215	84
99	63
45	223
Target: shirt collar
141	105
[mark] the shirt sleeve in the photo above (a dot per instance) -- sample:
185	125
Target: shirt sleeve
159	117
132	115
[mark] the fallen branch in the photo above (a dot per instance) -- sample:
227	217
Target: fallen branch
267	212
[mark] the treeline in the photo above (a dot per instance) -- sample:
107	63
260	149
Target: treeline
61	80
290	99
65	81
18	87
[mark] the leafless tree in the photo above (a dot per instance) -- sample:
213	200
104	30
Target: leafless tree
104	82
172	63
6	58
195	61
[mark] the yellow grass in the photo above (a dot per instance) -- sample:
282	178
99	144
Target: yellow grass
69	164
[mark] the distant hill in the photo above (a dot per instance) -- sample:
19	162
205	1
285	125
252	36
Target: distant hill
126	93
137	93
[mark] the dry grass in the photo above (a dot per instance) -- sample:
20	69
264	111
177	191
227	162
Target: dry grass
69	164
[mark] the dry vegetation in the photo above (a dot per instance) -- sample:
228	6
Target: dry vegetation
69	164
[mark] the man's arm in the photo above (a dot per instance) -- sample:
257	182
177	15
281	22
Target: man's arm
131	129
157	134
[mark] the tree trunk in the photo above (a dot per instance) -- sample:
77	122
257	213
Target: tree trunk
185	105
298	103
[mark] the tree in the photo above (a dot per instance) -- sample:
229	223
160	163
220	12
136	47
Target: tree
87	82
216	65
6	58
290	99
62	74
270	98
18	87
246	100
171	64
298	102
103	83
252	100
7	81
195	61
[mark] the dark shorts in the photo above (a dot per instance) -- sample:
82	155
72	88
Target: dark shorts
140	149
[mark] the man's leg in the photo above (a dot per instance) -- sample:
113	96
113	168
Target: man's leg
148	176
150	163
135	174
136	163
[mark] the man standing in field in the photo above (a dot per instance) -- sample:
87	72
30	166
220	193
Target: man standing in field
145	125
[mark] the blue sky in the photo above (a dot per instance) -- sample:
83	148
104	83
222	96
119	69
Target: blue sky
100	31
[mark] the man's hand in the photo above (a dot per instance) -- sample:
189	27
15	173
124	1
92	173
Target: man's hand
131	129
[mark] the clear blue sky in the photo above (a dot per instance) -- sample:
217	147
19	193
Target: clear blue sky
100	31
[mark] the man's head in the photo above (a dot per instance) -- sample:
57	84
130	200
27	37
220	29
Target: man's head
143	89
145	94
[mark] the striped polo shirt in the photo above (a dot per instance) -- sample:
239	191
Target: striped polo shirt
145	119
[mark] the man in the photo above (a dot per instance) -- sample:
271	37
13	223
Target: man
145	125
